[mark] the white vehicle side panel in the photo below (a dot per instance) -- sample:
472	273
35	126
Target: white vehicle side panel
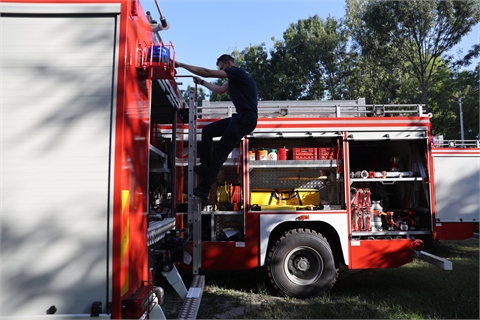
56	100
457	187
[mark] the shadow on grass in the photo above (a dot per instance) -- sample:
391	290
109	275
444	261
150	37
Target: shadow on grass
416	290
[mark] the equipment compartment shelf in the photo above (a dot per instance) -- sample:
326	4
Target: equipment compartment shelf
221	212
385	180
183	162
258	164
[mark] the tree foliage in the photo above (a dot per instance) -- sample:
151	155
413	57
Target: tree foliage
383	51
312	61
421	30
466	86
201	94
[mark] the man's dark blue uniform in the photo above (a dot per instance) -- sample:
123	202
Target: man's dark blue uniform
242	90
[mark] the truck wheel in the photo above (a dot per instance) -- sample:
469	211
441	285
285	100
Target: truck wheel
301	264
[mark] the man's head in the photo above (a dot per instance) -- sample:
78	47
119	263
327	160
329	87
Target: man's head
225	61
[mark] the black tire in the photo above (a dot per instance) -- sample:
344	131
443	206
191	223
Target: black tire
301	264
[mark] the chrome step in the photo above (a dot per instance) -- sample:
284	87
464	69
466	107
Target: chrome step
191	304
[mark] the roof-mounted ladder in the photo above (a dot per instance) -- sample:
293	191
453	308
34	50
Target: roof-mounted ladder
314	108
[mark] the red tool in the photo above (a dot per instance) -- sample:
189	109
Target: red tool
390	221
361	207
366	210
411	220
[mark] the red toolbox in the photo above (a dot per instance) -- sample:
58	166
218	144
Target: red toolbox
326	153
303	153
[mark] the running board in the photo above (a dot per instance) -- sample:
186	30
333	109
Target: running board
433	259
191	304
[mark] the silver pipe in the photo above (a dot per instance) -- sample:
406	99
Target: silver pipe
160	293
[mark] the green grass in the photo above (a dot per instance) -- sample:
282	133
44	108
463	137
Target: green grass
414	291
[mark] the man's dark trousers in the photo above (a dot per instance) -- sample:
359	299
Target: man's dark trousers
232	130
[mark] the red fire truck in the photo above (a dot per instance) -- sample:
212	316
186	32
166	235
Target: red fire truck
98	149
324	185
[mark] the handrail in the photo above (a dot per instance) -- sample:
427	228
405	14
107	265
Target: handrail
309	108
436	143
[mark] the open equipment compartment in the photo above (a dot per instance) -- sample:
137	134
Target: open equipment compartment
308	179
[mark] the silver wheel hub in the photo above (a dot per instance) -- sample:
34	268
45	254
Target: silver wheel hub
303	265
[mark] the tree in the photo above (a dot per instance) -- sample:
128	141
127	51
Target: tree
421	30
379	67
219	97
202	94
311	62
466	86
474	52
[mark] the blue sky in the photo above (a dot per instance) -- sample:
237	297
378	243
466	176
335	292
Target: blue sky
203	30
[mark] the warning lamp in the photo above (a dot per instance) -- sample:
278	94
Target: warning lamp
303	217
158	57
418	245
158	54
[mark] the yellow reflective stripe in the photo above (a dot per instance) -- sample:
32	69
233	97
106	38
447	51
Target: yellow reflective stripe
125	194
124	244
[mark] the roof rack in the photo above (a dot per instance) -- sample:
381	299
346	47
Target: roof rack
441	143
314	108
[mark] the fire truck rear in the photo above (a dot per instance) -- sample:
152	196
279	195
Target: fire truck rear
82	82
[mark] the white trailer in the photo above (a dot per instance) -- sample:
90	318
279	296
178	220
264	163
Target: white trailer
457	188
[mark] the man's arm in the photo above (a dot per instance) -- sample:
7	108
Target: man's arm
215	88
208	73
202	72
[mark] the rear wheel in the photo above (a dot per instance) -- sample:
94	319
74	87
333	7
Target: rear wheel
301	264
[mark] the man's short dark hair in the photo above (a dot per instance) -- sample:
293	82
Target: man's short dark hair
225	57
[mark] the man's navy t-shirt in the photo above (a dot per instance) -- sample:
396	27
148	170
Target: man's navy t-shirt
242	89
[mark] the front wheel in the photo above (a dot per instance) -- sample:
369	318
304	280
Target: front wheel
301	264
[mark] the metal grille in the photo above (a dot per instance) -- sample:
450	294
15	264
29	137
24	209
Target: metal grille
229	173
275	178
228	221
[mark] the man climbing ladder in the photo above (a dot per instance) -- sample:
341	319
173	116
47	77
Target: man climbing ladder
242	90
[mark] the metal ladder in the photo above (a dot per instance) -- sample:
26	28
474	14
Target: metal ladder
193	297
194	203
